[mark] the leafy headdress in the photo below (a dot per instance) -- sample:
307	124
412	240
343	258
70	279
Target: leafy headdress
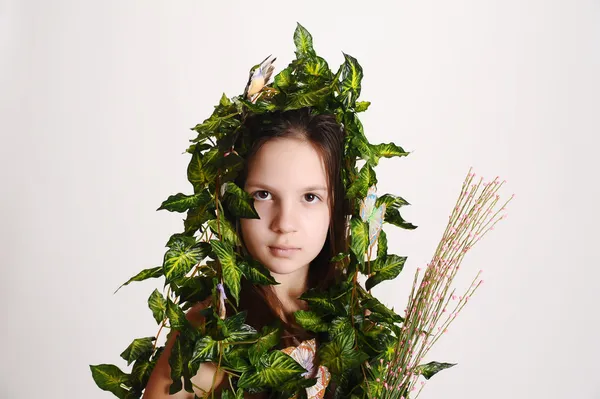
203	261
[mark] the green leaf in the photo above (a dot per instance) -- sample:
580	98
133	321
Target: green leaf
274	369
183	254
182	202
339	257
202	168
382	245
177	319
309	98
235	330
205	350
303	41
239	202
361	106
232	274
283	80
340	355
158	305
310	321
237	359
379	309
366	178
196	217
269	337
228	233
391	201
257	273
385	150
140	373
430	369
110	378
359	238
352	75
319	300
386	269
223	119
140	348
225	102
195	289
143	275
392	216
177	366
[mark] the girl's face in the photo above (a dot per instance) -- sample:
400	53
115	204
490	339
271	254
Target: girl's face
287	180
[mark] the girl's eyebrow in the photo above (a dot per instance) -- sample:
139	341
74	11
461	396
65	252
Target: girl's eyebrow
266	186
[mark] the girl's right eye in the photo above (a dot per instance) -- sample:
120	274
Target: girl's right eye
260	195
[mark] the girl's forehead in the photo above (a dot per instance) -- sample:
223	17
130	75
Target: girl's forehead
289	162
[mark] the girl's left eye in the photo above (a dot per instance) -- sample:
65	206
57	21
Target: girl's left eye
313	196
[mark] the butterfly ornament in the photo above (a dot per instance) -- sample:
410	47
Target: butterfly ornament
372	215
305	355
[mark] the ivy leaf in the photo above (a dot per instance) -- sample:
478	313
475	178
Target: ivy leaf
361	106
206	349
319	300
366	178
387	269
308	98
239	202
228	233
382	245
110	378
359	238
177	366
237	358
340	355
339	257
430	369
191	290
177	319
391	201
140	348
232	274
385	150
257	273
274	368
182	202
269	337
352	75
310	321
158	305
283	80
144	275
196	217
140	373
235	330
184	253
202	168
222	119
304	42
392	216
379	309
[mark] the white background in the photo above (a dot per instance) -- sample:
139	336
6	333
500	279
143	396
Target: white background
96	103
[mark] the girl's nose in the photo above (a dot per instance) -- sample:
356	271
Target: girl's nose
284	219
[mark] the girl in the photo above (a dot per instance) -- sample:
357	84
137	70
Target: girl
293	173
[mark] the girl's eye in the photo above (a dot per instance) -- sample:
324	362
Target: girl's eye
311	197
261	195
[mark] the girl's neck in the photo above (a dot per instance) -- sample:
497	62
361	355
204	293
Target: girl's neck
290	287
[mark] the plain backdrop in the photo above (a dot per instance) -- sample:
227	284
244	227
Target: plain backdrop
97	99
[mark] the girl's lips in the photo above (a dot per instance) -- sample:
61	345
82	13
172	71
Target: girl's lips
283	252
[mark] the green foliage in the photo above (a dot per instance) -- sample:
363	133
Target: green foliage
206	252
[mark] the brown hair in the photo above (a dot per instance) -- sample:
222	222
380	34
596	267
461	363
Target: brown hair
327	137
